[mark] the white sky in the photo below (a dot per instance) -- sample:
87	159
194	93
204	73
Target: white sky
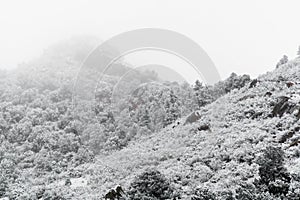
240	36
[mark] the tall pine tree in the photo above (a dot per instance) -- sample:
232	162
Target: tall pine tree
172	107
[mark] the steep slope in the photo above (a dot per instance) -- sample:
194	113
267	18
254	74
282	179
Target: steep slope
223	158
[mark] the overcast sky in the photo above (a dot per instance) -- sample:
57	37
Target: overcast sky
240	36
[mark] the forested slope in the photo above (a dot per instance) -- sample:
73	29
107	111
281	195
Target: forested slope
250	150
244	146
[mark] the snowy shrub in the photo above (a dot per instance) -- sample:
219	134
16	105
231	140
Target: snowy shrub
226	195
203	194
151	185
294	193
272	172
250	193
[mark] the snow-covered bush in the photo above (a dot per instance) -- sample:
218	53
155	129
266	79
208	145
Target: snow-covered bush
151	185
203	194
272	172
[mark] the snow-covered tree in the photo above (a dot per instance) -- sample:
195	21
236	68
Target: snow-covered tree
172	108
282	61
272	172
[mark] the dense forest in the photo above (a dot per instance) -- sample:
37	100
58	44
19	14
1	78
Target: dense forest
244	146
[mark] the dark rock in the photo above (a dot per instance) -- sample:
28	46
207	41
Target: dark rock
68	182
298	114
111	195
294	143
289	84
281	107
286	106
253	83
204	127
268	94
116	193
119	191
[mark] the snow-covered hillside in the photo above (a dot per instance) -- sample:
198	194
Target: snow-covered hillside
223	158
244	145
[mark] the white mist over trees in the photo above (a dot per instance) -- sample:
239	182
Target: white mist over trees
248	150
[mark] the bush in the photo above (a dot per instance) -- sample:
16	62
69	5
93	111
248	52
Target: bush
272	172
249	192
151	185
203	194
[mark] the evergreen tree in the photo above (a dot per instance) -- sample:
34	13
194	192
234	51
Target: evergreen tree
172	108
199	89
145	119
282	61
272	172
198	85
